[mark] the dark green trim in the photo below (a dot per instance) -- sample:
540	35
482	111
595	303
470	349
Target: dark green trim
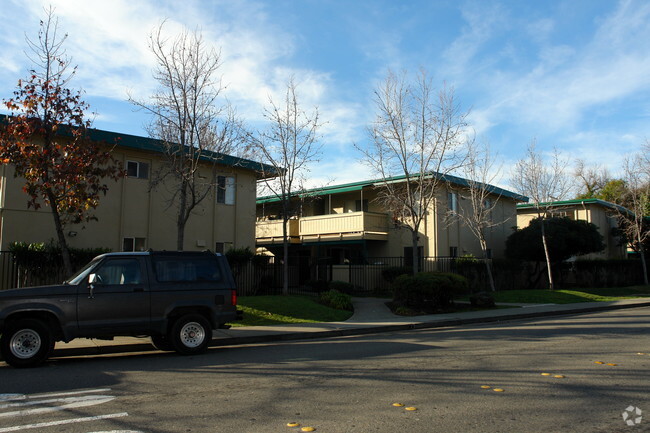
357	186
328	243
576	202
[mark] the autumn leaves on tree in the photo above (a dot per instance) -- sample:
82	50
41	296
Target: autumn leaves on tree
45	139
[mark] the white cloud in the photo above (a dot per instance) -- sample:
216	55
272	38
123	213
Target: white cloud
482	20
567	83
108	41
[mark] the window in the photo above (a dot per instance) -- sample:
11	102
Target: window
174	269
222	247
570	214
137	170
452	200
226	189
119	272
134	244
487	204
453	251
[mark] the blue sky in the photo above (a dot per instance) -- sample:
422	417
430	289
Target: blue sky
573	74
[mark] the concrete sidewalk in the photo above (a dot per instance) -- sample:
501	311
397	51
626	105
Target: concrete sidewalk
371	315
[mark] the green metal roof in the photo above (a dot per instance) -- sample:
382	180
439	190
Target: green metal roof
153	145
577	202
357	186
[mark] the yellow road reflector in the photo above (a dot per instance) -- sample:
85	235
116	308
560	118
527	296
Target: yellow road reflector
558	376
498	390
599	362
308	429
612	364
546	374
486	387
398	404
293	424
411	408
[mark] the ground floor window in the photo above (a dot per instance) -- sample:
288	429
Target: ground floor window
134	244
222	247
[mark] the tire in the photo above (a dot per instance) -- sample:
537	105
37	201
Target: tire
162	342
26	343
190	334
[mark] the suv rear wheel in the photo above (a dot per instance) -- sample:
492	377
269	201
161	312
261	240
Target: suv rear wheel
190	334
26	343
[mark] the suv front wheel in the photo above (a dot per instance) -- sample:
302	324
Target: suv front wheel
190	334
26	343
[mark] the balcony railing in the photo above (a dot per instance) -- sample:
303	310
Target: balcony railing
346	226
270	232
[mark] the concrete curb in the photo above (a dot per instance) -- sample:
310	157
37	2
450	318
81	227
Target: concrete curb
558	310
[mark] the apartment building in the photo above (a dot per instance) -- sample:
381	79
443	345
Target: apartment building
133	216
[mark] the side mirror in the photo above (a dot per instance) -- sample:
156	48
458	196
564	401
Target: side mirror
92	280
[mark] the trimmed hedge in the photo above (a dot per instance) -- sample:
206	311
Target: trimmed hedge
341	286
335	299
392	272
430	290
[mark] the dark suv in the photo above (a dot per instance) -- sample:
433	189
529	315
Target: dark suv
177	298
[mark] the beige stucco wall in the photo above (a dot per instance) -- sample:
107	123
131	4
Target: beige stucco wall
129	210
437	233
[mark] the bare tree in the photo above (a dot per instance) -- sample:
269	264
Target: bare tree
634	224
480	173
417	137
543	183
289	145
593	179
195	126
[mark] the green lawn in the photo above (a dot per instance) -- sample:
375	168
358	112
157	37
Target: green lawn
282	310
571	296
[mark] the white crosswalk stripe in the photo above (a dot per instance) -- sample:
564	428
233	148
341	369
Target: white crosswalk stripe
21	406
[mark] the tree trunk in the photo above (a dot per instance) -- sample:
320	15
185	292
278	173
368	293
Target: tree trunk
643	263
181	220
285	263
63	244
551	285
415	256
488	264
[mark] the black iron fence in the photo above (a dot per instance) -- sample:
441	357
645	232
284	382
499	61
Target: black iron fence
34	268
307	275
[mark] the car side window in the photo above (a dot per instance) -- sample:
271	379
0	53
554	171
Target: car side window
171	269
119	272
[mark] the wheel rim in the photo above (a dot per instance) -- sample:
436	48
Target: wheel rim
192	334
25	343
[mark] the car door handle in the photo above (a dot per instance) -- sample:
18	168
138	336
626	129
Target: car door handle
139	289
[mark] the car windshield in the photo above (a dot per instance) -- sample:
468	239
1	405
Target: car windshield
82	274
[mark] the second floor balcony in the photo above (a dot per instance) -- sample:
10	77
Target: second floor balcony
323	228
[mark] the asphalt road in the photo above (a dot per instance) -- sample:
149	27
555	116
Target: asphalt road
350	384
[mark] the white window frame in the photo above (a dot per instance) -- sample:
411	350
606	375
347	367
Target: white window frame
228	189
135	241
452	198
139	170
